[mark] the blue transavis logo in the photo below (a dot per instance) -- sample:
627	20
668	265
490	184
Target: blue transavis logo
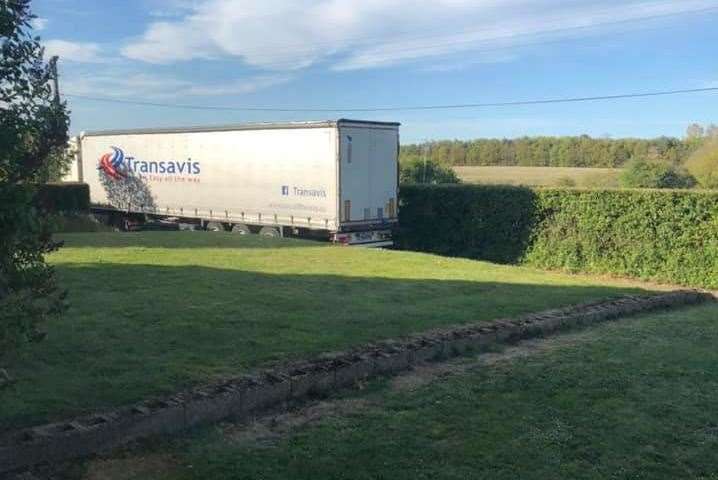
295	191
113	164
117	165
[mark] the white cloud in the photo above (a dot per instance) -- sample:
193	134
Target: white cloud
80	52
353	34
123	83
237	87
452	65
172	8
38	23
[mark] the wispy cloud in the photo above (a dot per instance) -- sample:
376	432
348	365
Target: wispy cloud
237	87
353	34
80	52
129	83
456	64
172	8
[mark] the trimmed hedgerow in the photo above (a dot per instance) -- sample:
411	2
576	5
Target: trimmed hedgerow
669	236
64	197
487	222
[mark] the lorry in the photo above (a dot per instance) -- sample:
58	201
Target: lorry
336	180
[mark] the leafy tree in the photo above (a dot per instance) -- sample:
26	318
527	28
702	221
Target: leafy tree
583	151
654	173
703	165
694	130
432	172
33	138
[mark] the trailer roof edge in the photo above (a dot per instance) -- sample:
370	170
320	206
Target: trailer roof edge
244	126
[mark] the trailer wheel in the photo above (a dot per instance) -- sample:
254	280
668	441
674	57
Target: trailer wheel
241	229
270	232
214	227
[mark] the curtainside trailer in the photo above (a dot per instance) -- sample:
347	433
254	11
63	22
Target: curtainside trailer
329	179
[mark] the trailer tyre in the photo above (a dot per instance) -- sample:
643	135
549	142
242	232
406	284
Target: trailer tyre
214	227
241	229
270	232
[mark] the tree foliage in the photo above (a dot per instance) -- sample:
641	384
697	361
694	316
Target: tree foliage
703	165
582	151
655	173
431	172
33	138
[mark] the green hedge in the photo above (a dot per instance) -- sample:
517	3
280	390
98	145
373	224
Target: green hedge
668	236
64	197
487	222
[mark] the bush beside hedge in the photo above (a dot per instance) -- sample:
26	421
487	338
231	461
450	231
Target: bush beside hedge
64	197
669	236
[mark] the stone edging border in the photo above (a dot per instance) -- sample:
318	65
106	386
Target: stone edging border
246	396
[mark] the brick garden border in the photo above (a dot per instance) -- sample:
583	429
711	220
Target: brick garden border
249	395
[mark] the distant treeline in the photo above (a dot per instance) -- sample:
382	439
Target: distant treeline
583	151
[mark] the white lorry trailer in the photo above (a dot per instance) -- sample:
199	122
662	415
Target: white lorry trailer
332	179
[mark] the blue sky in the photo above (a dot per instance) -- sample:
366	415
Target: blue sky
352	53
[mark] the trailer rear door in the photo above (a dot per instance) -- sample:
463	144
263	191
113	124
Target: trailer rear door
368	174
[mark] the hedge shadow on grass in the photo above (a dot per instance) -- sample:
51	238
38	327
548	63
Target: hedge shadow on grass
138	331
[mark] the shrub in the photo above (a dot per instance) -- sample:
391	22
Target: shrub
64	197
431	172
669	236
646	173
703	165
33	137
78	223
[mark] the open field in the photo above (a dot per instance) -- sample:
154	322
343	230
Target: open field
541	176
155	312
630	399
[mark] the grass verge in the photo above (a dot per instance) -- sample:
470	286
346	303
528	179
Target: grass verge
155	312
633	399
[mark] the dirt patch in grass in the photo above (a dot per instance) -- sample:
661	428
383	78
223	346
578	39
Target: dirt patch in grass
266	431
130	468
431	372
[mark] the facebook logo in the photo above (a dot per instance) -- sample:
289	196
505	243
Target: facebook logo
285	190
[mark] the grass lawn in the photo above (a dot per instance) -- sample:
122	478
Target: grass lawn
541	176
155	312
632	399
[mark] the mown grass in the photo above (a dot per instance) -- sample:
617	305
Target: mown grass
631	399
77	223
154	312
541	176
